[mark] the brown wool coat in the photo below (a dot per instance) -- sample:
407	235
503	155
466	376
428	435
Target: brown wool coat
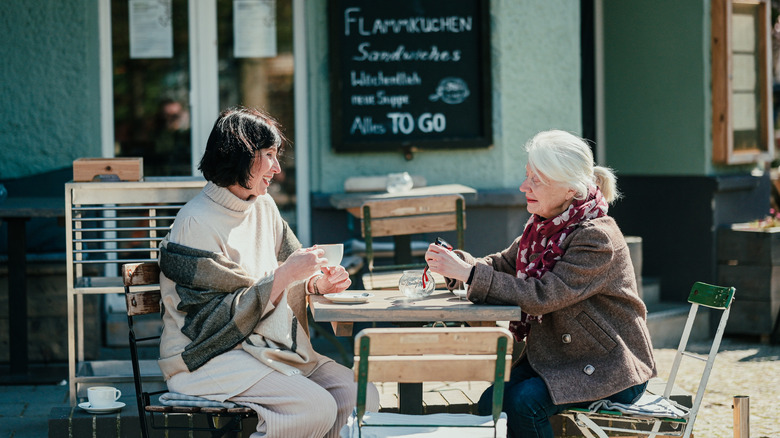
593	340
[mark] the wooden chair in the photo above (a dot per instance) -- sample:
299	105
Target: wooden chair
401	218
411	355
659	410
142	294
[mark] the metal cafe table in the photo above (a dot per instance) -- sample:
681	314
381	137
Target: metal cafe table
392	306
16	211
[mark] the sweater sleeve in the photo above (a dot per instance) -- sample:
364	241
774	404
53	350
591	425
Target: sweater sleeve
502	262
586	262
288	243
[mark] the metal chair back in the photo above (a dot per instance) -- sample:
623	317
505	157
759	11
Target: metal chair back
413	355
717	298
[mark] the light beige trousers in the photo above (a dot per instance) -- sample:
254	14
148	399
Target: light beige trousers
297	406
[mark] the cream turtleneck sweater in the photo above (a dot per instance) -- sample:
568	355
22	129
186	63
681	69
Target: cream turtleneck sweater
250	234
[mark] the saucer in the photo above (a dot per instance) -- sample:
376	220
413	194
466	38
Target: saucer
349	297
104	410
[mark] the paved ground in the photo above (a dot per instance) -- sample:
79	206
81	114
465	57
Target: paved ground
743	367
24	410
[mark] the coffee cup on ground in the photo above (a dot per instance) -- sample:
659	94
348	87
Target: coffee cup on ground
103	396
333	252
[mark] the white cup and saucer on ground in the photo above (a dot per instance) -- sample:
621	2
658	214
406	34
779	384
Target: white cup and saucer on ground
102	400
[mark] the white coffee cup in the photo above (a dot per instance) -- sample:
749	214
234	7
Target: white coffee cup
103	396
333	252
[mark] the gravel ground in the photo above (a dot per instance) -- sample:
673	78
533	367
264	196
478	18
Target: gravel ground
743	367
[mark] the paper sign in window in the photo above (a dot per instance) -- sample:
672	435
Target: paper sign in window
151	29
254	28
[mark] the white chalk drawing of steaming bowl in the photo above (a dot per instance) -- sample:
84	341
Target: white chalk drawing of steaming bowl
451	90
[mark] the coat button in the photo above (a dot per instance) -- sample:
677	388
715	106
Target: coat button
589	369
566	338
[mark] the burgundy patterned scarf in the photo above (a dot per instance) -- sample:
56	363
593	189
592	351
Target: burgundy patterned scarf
543	237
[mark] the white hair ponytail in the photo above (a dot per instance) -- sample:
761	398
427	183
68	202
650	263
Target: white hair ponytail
607	182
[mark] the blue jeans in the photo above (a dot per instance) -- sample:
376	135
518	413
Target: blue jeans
528	405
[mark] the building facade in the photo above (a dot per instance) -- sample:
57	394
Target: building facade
635	77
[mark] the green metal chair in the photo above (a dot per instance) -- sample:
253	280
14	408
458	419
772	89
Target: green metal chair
412	355
657	410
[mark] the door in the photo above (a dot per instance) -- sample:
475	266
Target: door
255	60
151	90
169	81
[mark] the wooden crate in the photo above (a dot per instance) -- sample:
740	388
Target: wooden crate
749	260
106	169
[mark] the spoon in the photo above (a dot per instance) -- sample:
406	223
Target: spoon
441	242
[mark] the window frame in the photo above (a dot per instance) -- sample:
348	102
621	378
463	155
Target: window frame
723	151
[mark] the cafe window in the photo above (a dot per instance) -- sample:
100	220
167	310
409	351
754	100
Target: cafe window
741	82
163	113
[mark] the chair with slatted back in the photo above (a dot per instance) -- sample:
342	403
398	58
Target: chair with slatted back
646	416
142	294
401	218
412	355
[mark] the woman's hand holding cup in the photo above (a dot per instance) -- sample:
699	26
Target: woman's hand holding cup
302	263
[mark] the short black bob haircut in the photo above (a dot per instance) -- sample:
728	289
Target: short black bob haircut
230	150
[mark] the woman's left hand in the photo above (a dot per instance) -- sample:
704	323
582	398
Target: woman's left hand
334	279
445	262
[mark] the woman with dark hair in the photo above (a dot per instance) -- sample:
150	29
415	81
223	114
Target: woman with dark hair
234	280
583	323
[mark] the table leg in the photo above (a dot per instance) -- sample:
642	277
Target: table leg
410	398
342	328
17	295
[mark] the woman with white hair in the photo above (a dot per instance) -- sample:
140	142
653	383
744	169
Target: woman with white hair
570	272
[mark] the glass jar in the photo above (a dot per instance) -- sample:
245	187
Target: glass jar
411	284
399	182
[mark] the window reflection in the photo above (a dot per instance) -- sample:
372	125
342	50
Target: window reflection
151	98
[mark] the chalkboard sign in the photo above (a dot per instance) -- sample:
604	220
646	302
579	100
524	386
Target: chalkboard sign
409	74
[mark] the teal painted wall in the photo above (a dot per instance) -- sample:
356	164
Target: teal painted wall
536	86
657	87
49	85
